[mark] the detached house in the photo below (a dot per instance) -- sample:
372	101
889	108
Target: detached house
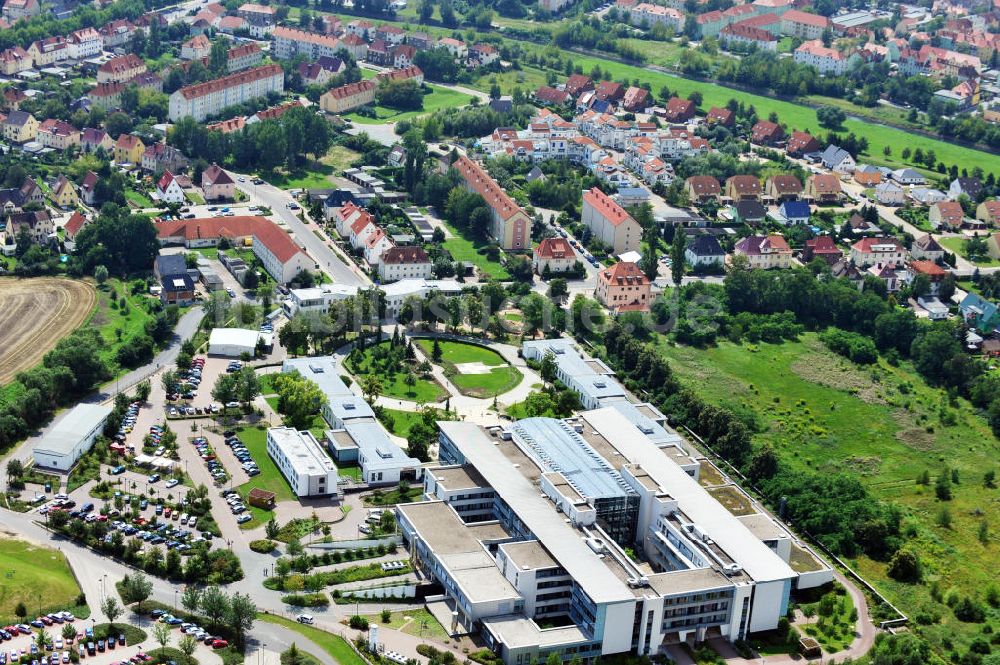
71	228
766	133
37	224
837	159
624	288
19	127
801	143
554	255
64	193
946	215
217	184
704	250
872	251
927	248
888	193
404	263
57	134
87	188
92	140
765	252
129	149
720	116
679	110
168	189
821	247
988	212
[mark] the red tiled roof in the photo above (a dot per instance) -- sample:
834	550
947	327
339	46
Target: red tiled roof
865	245
951	212
825	183
744	183
928	268
351	89
555	248
277	241
785	184
264	230
216	175
704	184
605	206
402	74
624	272
74	224
484	185
122	63
796	16
239	78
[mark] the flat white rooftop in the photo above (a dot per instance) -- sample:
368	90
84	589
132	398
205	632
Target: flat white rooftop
66	434
302	450
537	513
728	532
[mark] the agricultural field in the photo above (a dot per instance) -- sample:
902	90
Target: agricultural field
886	426
476	371
35	314
33	574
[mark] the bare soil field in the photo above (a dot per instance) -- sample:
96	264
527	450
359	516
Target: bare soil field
35	314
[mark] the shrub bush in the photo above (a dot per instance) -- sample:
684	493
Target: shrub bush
262	546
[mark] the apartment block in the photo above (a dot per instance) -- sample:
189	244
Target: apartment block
511	227
290	42
210	98
609	222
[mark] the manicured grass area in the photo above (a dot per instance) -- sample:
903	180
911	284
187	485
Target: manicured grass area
334	645
438	99
402	421
194	197
957	245
133	635
417	622
463	249
394	385
270	478
835	625
33	575
500	379
315	176
883	424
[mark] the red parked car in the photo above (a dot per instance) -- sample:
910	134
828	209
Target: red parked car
220	644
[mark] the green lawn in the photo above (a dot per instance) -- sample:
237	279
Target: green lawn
420	623
883	424
117	324
270	478
37	576
500	379
463	249
439	99
393	385
316	176
402	421
334	645
957	245
138	199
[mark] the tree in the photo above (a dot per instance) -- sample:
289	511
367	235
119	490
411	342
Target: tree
271	529
371	386
42	640
187	645
942	487
191	598
649	263
136	588
68	632
558	289
547	368
225	389
101	275
20	611
436	351
111	609
677	248
905	566
830	117
241	615
161	633
215	605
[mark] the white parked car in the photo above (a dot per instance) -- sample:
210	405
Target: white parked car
173	482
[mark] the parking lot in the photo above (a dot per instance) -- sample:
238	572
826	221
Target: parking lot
20	643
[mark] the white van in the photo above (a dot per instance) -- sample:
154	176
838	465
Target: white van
304	618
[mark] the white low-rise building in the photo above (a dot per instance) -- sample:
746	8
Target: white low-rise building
368	445
232	342
71	437
308	470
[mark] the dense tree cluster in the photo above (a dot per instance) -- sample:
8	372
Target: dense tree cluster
264	145
123	243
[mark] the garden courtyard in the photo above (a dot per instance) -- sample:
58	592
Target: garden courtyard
475	370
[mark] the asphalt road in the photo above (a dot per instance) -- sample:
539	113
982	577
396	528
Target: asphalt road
277	200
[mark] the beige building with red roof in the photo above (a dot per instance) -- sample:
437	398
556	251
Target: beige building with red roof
348	97
624	288
217	184
121	68
609	222
404	263
206	99
554	255
511	227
